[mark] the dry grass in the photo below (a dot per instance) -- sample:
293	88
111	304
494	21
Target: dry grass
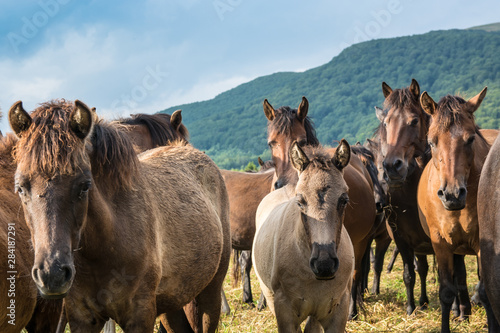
383	313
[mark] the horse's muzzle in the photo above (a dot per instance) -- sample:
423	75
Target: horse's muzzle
453	199
324	262
53	281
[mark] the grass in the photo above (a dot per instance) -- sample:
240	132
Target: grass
382	313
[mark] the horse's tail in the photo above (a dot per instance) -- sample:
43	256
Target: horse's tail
236	267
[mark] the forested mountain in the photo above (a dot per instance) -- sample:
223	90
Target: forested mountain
231	128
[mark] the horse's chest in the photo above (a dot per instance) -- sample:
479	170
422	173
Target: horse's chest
461	233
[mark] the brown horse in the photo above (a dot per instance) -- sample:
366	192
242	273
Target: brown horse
488	214
38	315
447	193
403	154
18	290
245	191
286	126
150	131
380	235
303	255
82	186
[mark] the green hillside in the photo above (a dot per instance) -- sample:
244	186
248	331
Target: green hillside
231	128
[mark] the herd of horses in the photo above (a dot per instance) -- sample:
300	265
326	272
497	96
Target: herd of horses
124	220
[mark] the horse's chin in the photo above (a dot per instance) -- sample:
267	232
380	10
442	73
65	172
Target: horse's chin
321	278
52	295
453	207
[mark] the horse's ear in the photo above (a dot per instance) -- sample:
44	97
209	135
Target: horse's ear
176	119
386	89
80	120
299	159
261	162
428	103
303	108
268	110
19	119
380	113
415	88
475	101
342	155
371	144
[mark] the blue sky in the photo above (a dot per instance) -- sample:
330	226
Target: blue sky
143	56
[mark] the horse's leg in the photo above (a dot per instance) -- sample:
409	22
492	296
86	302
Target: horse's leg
313	326
407	255
356	292
366	267
493	325
175	321
460	277
382	244
246	267
287	321
447	289
395	253
261	305
423	269
225	309
338	321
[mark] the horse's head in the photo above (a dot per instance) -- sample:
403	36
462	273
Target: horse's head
286	126
321	196
452	136
53	180
368	154
402	131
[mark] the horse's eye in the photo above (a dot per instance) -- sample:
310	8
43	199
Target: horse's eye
302	143
470	140
85	187
385	124
301	202
343	201
414	122
22	189
431	144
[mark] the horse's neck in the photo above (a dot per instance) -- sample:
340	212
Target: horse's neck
481	148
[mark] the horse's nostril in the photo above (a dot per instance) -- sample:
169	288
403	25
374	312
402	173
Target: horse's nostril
398	164
440	193
68	273
462	192
35	273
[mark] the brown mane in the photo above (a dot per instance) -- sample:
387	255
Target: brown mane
401	97
450	111
283	123
51	147
159	127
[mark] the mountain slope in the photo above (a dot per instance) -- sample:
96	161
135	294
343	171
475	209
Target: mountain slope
232	126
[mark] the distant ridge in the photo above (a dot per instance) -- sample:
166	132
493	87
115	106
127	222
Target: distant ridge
231	128
487	27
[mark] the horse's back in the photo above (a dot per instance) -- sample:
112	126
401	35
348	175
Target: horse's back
488	206
245	191
489	135
192	211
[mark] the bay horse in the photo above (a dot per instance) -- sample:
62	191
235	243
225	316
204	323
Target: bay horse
163	218
285	126
380	235
149	131
303	256
403	153
245	191
447	193
488	214
28	310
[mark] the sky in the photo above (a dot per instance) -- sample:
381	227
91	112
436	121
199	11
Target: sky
129	56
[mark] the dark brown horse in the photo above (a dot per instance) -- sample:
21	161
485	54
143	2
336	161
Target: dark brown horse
27	309
286	126
245	191
488	214
120	236
380	235
447	193
149	131
402	140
